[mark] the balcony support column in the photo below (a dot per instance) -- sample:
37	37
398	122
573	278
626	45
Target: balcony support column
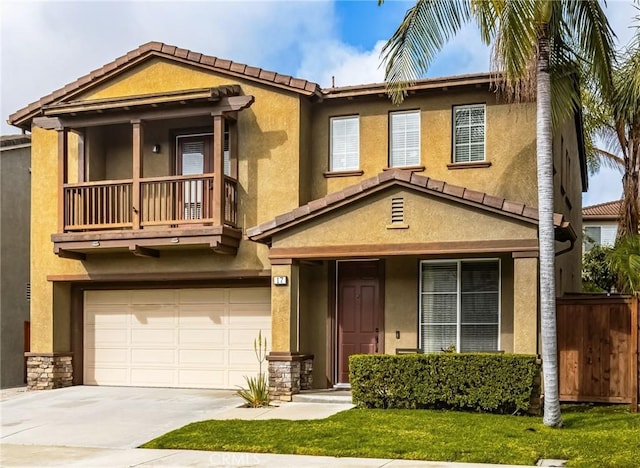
218	170
63	158
138	145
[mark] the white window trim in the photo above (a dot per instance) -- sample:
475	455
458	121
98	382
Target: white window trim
459	261
608	234
332	168
484	142
412	111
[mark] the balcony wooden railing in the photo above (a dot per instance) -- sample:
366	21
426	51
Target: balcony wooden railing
164	201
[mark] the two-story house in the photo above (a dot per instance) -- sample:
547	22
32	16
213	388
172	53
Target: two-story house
182	203
600	224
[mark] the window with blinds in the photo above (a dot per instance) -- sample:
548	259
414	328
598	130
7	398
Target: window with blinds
460	305
599	235
345	143
404	139
469	133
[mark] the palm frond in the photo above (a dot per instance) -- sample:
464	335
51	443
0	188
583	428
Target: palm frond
424	31
594	38
626	102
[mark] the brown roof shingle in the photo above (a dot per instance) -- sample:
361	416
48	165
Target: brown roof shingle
22	117
609	210
385	179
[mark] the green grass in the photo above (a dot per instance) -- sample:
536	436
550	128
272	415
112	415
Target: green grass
593	436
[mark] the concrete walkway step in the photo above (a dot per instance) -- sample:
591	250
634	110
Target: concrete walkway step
323	396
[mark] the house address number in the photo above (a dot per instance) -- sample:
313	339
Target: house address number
280	280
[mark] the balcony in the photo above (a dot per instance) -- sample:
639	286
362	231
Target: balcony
170	202
168	212
154	172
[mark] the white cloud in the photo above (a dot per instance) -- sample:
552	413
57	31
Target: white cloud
46	45
324	61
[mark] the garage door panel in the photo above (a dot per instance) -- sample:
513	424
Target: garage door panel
244	338
108	356
155	356
200	339
249	295
107	316
245	358
203	379
161	336
107	297
148	377
203	296
108	337
106	376
247	315
202	315
154	296
153	315
203	358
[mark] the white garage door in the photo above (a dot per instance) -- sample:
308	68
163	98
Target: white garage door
190	338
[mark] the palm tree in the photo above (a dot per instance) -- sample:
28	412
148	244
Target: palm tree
546	36
615	118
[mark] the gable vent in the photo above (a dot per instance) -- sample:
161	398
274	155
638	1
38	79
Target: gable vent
28	291
397	210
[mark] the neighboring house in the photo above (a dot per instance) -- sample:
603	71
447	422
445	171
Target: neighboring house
600	224
185	202
15	185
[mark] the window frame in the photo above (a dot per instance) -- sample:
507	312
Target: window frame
206	134
332	167
390	126
455	128
458	262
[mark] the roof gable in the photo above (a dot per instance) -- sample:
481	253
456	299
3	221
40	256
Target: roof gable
480	200
22	117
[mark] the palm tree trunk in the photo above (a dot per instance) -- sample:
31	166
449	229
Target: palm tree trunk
630	216
546	240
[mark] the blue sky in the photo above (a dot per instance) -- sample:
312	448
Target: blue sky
45	45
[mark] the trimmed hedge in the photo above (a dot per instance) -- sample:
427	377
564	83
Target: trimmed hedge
496	383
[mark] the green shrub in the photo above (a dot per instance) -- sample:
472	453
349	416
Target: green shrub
496	383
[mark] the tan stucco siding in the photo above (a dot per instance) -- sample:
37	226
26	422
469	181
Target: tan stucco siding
510	142
568	201
430	219
315	321
401	303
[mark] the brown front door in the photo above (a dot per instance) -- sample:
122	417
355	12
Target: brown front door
360	312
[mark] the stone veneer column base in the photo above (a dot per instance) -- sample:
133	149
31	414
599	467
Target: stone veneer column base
288	374
46	371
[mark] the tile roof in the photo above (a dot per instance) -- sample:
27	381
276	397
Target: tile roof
160	49
603	210
386	179
7	141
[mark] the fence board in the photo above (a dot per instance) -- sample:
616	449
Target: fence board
598	348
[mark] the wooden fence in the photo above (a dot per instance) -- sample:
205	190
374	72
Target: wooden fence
598	348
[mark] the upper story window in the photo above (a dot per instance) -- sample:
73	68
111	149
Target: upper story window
469	133
404	139
604	235
345	143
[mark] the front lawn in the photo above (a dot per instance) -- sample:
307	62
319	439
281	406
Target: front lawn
592	436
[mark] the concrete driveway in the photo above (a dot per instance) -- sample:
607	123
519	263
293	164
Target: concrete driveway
108	417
